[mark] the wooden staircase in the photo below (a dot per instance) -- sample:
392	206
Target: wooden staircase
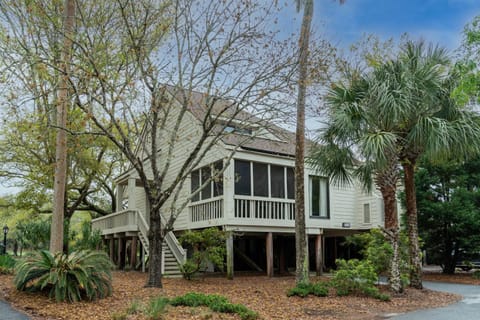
173	254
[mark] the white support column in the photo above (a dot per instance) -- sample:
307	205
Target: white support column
269	251
229	244
228	191
119	196
131	194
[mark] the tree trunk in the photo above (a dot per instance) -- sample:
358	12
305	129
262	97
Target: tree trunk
300	232
412	225
155	240
392	234
56	235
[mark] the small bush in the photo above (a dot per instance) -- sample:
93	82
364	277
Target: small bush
80	275
354	276
319	289
189	269
6	264
207	246
215	302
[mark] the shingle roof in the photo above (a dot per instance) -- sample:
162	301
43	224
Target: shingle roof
197	101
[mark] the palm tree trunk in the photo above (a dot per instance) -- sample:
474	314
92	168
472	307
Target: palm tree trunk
392	234
412	225
56	235
301	275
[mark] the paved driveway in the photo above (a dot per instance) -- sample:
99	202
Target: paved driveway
7	313
466	309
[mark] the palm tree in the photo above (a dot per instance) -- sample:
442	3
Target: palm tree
431	125
410	114
301	274
354	131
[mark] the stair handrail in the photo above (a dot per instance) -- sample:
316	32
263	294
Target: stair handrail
142	226
177	250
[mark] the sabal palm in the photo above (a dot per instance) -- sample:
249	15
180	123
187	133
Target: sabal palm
399	111
355	131
430	123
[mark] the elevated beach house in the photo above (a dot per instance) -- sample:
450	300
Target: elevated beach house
243	184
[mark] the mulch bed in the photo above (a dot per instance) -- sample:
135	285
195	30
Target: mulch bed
463	277
259	293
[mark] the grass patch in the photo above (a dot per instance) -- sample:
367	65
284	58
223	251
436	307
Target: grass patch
319	289
215	302
157	307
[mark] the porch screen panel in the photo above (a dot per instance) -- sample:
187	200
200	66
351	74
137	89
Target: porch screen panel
195	184
290	183
206	176
260	179
277	181
242	178
218	181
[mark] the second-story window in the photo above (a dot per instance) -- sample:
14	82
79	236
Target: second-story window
210	178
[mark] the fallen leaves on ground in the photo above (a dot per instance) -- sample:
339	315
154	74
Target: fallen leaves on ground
267	296
463	277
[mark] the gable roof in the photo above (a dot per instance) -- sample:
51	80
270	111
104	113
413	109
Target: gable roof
283	144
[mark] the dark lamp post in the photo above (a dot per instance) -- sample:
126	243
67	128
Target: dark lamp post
5	231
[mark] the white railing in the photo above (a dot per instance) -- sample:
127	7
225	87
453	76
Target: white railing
179	253
206	210
265	209
136	220
115	220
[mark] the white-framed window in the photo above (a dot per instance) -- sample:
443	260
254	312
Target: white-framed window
319	197
366	213
214	182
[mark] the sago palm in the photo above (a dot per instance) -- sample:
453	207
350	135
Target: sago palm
79	275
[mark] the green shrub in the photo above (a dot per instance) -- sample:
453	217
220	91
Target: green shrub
189	269
156	308
6	264
476	274
79	275
354	276
319	289
215	302
207	245
90	239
